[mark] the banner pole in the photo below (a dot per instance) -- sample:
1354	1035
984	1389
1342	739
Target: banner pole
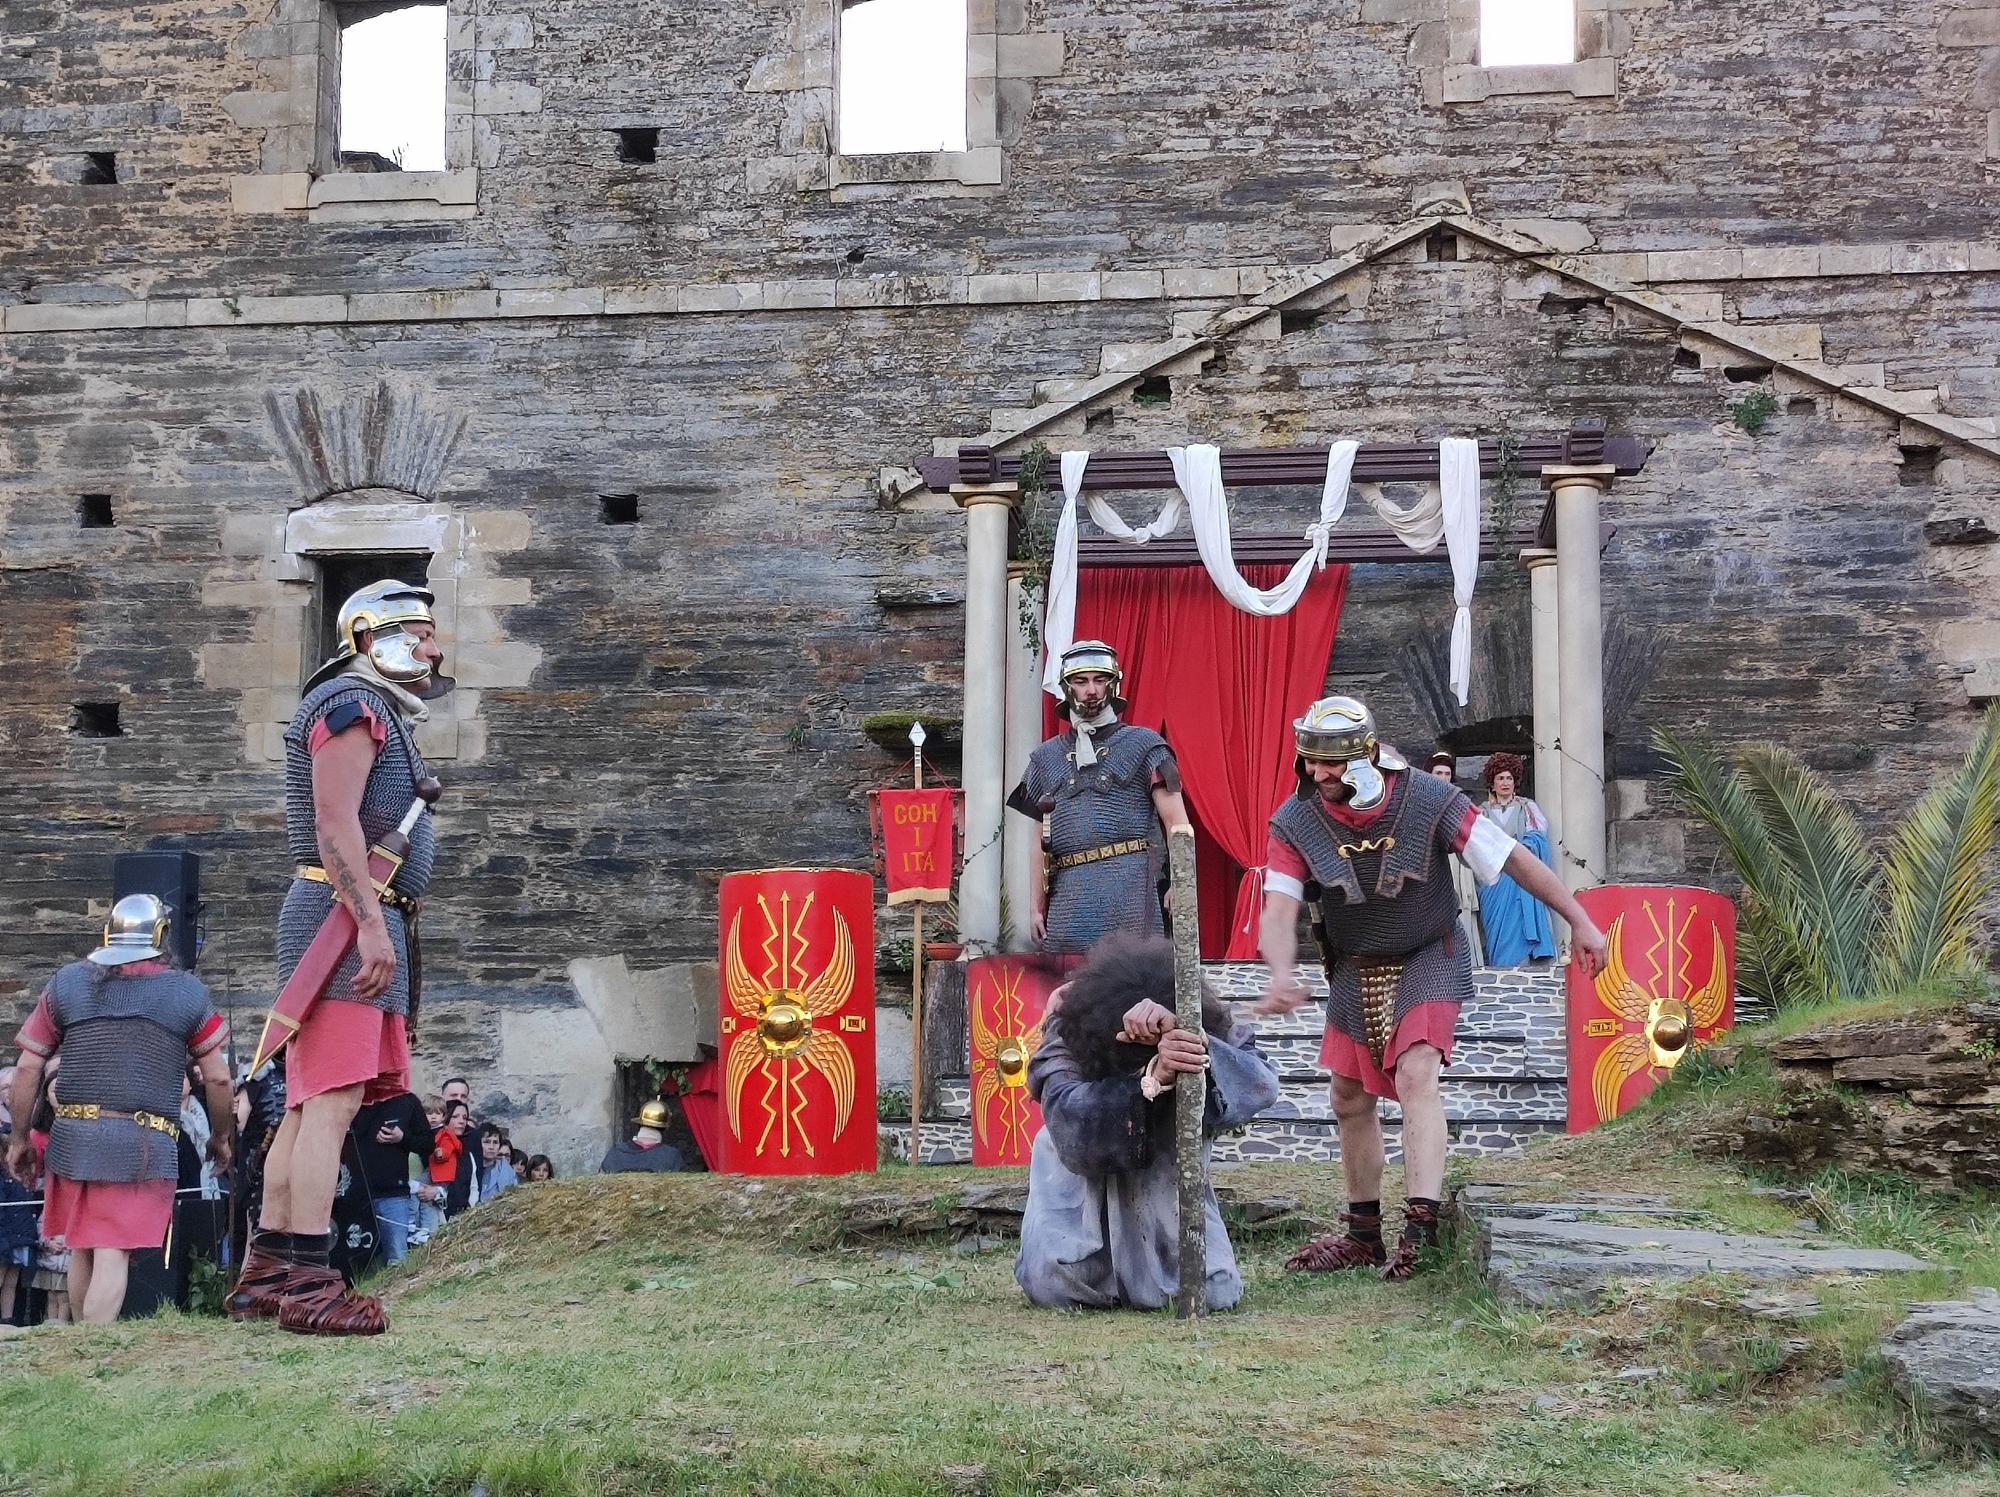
917	984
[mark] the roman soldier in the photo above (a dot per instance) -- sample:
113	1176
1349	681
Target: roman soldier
1368	841
1103	786
352	777
124	1025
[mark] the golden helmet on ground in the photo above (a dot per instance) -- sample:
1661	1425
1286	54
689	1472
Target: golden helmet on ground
653	1115
136	931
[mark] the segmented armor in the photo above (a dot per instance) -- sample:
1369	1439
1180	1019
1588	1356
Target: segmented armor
124	1049
392	785
1107	804
1387	917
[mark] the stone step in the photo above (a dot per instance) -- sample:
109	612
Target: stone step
1473	1058
949	1141
1513	1100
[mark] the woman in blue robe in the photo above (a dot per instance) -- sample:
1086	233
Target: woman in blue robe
1516	924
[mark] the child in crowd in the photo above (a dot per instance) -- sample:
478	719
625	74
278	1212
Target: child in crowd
540	1168
446	1146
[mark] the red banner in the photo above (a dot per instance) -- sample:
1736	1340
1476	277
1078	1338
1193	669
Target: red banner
1005	998
915	832
798	1022
1667	989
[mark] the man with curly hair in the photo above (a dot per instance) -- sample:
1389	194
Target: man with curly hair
1369	842
1101	1225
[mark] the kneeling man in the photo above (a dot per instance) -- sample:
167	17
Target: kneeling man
1101	1225
1374	840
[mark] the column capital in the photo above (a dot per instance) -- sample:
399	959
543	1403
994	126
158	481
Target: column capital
969	495
1563	475
1534	558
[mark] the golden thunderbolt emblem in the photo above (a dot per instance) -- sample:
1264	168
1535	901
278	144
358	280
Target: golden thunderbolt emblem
1667	1017
774	1024
1004	1080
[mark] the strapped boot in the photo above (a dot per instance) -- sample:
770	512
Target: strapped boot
1360	1247
1420	1231
318	1303
267	1269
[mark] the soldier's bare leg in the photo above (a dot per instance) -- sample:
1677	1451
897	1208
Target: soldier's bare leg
312	1164
101	1294
79	1280
275	1214
1417	1071
1360	1139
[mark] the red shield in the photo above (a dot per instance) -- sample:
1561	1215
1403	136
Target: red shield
1667	989
1005	997
797	1029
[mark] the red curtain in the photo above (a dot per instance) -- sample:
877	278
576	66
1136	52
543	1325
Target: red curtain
1223	686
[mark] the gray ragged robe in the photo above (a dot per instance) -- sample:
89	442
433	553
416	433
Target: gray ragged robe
1100	1229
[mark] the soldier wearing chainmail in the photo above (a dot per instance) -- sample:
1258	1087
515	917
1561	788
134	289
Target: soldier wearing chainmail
1368	841
1103	786
124	1024
351	772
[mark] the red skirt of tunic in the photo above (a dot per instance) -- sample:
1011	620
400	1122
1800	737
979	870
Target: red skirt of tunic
345	1043
129	1214
1433	1023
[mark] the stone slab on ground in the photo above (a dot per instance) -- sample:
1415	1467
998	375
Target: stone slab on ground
1549	1248
993	1208
1945	1358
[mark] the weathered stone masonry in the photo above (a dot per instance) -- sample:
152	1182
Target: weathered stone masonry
1782	198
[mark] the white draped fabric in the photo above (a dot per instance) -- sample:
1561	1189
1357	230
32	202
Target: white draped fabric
1449	512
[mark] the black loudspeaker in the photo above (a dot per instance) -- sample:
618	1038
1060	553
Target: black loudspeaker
174	874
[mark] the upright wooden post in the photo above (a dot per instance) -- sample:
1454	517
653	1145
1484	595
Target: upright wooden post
1190	1091
917	736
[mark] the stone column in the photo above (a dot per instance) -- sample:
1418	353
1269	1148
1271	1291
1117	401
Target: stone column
1580	650
1024	734
1541	565
987	507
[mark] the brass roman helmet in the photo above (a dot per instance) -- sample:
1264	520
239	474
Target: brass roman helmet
382	609
1341	730
1092	655
653	1115
135	932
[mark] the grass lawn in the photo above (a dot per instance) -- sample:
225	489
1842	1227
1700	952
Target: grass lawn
643	1334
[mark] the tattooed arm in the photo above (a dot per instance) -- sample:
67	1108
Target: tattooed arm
340	775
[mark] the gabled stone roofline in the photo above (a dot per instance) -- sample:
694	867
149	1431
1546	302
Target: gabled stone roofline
1299	288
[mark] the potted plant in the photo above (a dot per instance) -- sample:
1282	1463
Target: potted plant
941	942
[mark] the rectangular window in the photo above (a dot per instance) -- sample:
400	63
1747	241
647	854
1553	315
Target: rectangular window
902	76
392	87
1526	33
342	574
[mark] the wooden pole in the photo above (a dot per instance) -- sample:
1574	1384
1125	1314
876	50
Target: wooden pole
1190	1091
917	994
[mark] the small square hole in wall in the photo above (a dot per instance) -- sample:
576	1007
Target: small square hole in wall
639	146
1919	465
618	509
93	511
1440	244
95	720
100	169
1156	390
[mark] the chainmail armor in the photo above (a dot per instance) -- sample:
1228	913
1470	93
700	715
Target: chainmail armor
392	785
1395	904
1112	801
124	1048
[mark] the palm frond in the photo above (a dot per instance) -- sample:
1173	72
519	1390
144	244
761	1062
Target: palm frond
1769	959
1938	873
1826	874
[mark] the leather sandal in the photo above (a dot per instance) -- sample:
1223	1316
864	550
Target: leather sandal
260	1286
1336	1251
318	1303
1420	1231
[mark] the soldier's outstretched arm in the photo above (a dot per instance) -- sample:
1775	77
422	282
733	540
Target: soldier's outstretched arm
1278	940
1532	874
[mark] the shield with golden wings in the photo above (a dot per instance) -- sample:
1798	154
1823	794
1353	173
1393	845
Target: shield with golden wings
797	1028
1005	997
1667	988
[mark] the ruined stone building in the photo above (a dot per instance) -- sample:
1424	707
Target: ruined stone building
642	376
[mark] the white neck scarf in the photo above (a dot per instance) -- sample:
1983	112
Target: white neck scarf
1086	751
411	706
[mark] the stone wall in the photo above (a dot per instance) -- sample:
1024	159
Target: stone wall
758	357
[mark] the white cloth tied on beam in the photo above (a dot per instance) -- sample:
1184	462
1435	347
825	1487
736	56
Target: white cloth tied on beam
1450	512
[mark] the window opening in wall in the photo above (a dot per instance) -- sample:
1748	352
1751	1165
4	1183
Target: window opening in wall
93	511
1919	465
96	720
392	86
902	76
1155	389
344	573
618	509
1440	244
639	145
1526	33
100	169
